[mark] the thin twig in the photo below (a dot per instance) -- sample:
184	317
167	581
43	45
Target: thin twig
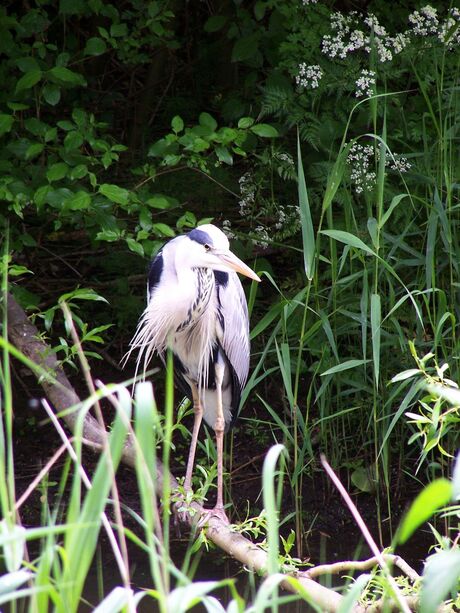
350	565
367	535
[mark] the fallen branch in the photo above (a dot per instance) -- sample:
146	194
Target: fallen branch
25	337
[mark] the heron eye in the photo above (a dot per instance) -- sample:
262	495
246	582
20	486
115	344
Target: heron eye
207	247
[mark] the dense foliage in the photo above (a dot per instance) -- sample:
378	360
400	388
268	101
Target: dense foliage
123	124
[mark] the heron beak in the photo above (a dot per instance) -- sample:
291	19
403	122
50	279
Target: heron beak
237	265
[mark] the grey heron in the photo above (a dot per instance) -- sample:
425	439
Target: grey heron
197	308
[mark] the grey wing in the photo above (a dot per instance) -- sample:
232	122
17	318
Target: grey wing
235	324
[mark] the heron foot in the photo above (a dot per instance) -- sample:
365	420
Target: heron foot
217	511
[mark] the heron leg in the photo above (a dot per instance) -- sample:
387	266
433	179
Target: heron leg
219	427
198	410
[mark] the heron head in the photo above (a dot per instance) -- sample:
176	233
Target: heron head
209	248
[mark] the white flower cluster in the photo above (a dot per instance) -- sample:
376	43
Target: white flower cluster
227	229
248	193
306	2
425	21
285	157
309	76
365	84
261	236
400	164
287	216
362	157
352	32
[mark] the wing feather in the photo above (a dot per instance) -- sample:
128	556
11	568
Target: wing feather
235	326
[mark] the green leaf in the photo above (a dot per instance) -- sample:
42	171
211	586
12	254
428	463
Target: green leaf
348	239
224	155
56	171
344	366
118	29
163	229
207	120
33	150
376	318
51	93
215	23
135	246
27	64
158	202
245	122
440	577
65	75
308	234
6	123
28	80
361	479
434	496
259	9
73	140
177	124
264	130
245	47
79	201
116	194
95	46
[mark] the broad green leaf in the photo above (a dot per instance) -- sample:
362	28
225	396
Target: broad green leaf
348	239
28	80
57	171
207	120
245	122
116	194
163	229
440	577
260	9
73	140
344	366
134	246
224	155
95	46
118	29
27	64
6	123
360	478
33	150
177	124
158	202
67	76
80	200
264	130
215	23
434	496
51	93
245	47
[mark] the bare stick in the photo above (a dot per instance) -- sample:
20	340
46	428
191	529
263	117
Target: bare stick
367	535
348	565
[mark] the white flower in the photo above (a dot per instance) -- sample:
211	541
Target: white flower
425	21
305	2
365	83
309	76
227	228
